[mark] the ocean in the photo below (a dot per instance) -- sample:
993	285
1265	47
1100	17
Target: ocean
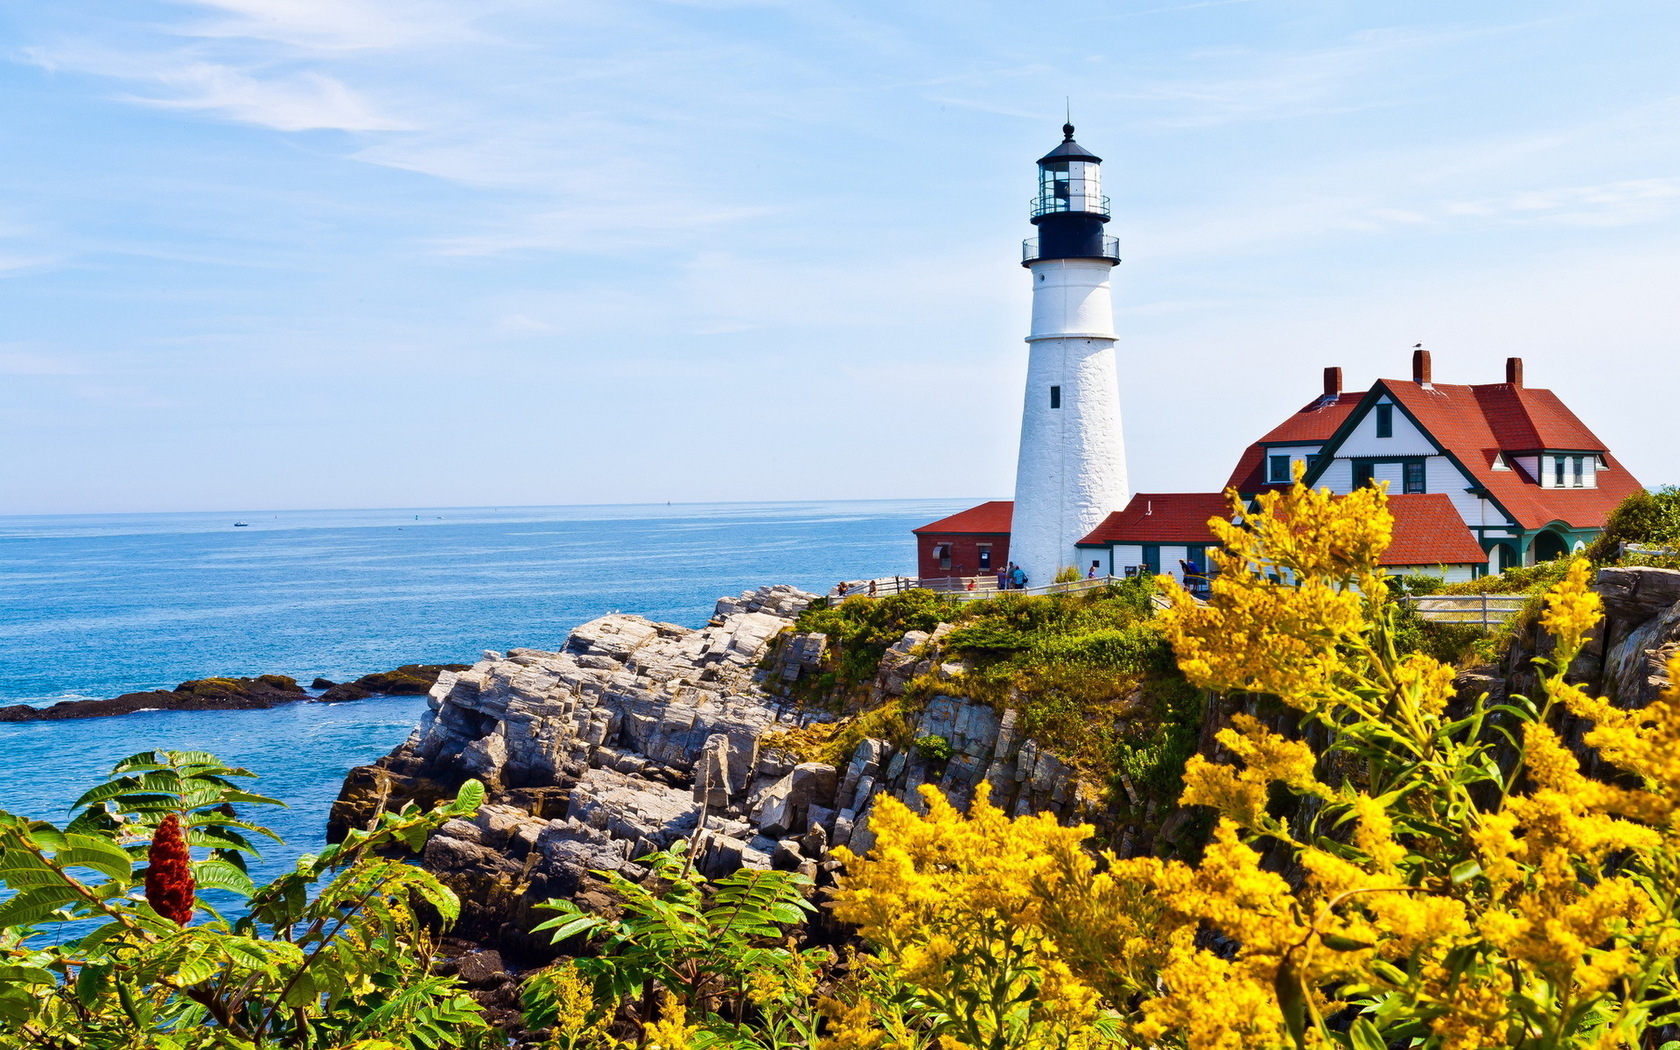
98	605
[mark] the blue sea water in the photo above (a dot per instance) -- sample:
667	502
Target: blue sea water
94	606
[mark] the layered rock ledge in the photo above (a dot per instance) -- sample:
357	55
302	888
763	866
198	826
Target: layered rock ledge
235	694
635	734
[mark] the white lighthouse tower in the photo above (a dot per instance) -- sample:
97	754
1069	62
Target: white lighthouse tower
1072	469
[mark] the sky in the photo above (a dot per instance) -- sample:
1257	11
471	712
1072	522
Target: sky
275	254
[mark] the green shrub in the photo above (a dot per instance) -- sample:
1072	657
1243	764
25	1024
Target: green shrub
1648	519
934	748
101	953
861	629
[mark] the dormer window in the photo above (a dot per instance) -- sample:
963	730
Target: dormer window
1277	469
1557	472
1385	421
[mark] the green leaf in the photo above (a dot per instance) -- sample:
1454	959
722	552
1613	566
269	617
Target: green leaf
99	854
11	973
1337	942
1292	1001
220	875
1365	1035
27	909
196	970
91	982
1465	871
570	928
468	799
45	835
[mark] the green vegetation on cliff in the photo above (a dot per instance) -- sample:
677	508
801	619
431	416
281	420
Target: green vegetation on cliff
1088	675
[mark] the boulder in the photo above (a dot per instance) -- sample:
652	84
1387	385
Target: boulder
481	969
1636	593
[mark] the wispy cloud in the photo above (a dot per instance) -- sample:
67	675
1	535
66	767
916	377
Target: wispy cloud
304	101
257	94
338	25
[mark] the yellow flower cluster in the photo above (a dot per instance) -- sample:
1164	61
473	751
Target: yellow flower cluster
672	1031
967	909
1289	596
1425	886
1241	795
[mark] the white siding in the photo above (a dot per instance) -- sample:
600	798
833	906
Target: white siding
1170	557
1440	475
1529	465
1125	554
1103	556
1449	573
1338	476
1407	439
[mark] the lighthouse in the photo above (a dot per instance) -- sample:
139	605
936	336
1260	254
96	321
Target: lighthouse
1072	468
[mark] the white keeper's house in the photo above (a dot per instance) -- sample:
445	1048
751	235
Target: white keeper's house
1481	477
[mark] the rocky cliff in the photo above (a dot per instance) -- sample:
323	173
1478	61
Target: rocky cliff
636	734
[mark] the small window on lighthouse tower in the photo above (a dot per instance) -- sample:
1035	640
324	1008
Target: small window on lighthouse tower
1055	397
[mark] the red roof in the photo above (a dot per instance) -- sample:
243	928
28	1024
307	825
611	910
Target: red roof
1525	420
992	517
1428	530
1313	424
1474	423
1162	517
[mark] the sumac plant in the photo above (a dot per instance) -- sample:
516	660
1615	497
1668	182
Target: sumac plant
107	942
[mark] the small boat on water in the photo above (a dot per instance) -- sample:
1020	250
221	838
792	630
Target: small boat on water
241	524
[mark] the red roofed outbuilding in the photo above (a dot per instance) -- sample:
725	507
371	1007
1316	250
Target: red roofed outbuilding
972	542
1157	532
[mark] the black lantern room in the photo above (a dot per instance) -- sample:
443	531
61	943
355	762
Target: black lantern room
1070	208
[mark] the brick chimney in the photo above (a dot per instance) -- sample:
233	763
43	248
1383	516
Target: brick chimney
1332	382
1513	371
1421	372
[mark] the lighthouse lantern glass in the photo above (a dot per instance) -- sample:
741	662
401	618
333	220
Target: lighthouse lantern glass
1069	185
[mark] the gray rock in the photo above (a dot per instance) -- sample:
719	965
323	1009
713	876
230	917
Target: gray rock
1637	592
814	843
786	856
481	969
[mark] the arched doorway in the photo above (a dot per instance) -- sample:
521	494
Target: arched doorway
1503	556
1549	546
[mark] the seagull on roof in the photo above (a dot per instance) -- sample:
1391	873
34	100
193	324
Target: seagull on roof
1417	346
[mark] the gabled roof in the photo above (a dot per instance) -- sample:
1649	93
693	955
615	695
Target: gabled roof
1455	417
1313	424
992	517
1162	517
1429	531
1525	420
